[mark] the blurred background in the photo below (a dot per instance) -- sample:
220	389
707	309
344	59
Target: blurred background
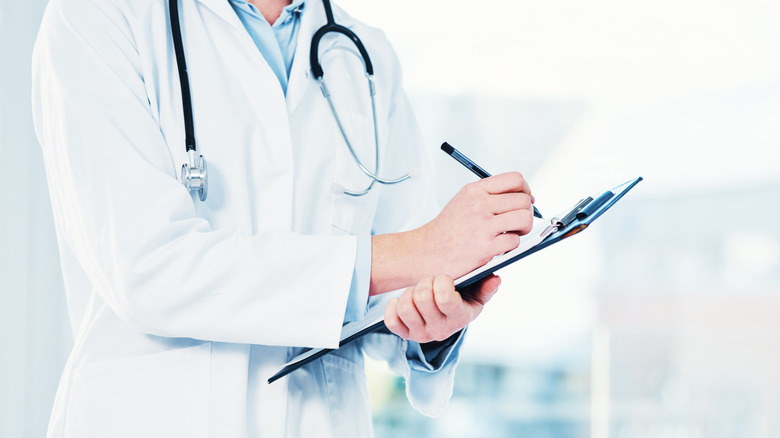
662	320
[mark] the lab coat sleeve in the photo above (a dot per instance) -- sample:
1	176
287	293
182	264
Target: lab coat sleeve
131	223
429	385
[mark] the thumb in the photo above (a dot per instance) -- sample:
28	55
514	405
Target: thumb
480	293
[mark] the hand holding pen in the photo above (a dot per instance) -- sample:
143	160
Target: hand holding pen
485	218
472	166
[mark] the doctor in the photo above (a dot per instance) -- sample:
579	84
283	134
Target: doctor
182	308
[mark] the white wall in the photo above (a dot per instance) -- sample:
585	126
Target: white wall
34	327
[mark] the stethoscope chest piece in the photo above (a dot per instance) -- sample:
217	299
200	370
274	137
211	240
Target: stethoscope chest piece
194	175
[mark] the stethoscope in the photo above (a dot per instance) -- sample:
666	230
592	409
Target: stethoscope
194	173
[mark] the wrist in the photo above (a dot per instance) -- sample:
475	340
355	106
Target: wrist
398	260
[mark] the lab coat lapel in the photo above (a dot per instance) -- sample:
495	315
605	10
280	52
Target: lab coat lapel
300	74
223	9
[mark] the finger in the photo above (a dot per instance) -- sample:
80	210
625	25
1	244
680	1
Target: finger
409	314
477	294
520	221
507	182
425	302
505	242
448	300
505	202
393	322
435	320
487	288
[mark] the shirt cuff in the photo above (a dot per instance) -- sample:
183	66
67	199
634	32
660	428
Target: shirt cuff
433	356
357	301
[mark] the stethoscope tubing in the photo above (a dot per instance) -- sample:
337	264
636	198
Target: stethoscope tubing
351	149
332	26
319	74
184	80
197	164
314	60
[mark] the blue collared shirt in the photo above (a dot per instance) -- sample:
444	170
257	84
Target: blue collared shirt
276	41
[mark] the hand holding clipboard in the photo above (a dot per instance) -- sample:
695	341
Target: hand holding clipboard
545	233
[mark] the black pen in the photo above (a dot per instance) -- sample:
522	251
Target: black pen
472	166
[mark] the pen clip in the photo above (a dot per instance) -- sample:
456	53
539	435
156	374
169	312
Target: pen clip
552	228
560	223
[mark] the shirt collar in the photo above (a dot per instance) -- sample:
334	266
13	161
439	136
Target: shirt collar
291	10
295	7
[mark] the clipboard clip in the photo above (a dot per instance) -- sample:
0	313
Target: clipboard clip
560	223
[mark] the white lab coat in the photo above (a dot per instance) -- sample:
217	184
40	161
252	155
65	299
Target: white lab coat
182	309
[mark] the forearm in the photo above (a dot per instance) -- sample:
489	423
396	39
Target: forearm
484	219
395	261
400	260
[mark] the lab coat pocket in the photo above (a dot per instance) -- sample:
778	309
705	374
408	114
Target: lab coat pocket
328	398
154	395
355	214
347	392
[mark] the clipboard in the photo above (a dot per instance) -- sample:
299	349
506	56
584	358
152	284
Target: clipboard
545	232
